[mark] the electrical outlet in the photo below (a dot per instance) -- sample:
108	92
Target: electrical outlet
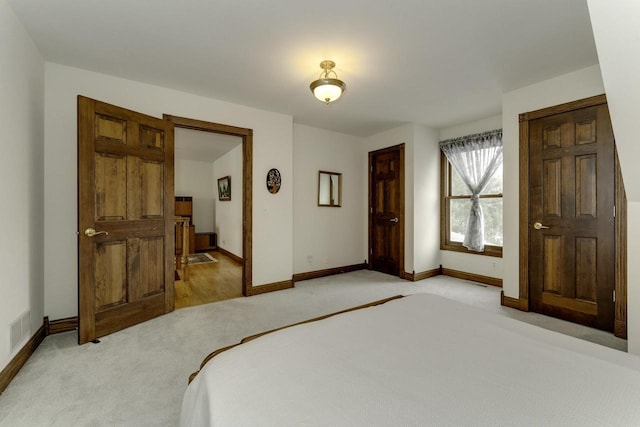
310	259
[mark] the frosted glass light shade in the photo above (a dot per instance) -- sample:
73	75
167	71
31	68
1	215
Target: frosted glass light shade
327	90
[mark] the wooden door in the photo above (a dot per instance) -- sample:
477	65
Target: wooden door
125	194
571	216
386	210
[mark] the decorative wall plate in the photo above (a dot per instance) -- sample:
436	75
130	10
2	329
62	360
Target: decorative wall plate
273	181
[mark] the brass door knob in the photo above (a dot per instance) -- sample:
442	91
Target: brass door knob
539	226
90	232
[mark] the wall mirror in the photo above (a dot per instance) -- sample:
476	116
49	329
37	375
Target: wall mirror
329	189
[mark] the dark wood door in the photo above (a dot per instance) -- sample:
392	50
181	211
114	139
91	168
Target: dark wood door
571	211
125	218
386	210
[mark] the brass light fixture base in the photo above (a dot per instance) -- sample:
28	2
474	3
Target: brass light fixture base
327	65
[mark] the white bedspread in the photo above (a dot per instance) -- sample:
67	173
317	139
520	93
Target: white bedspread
422	360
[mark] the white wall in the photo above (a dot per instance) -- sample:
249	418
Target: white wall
21	175
228	220
476	264
568	87
195	179
422	192
426	199
329	235
633	277
399	135
617	36
272	216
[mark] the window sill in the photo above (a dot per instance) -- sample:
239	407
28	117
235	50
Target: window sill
494	251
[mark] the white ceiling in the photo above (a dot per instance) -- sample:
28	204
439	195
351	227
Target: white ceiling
436	62
203	146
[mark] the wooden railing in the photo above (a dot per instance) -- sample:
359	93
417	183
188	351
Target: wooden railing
183	221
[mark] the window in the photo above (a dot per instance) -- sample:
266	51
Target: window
456	204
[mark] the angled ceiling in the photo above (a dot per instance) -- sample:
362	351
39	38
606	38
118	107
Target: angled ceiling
203	146
435	62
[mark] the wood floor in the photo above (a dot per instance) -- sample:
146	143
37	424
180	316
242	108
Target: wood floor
210	282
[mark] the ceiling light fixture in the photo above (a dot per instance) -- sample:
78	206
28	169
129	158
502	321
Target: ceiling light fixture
327	89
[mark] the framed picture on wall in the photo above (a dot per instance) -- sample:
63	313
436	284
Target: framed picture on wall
224	188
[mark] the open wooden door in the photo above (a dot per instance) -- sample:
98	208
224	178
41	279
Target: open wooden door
572	215
125	218
386	210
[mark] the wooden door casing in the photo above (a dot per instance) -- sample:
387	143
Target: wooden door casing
247	196
386	210
571	191
125	192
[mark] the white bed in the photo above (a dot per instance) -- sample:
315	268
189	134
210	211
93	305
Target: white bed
421	360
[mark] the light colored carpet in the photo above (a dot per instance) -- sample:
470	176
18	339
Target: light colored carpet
136	377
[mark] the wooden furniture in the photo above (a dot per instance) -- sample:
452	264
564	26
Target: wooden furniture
206	241
184	208
186	236
182	260
198	242
191	231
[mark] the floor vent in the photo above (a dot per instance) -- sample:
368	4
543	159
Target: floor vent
477	284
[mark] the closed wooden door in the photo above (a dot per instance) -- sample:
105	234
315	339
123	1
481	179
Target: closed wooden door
386	210
125	218
571	212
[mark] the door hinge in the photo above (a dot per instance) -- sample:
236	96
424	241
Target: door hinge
614	211
371	169
370	251
614	295
370	210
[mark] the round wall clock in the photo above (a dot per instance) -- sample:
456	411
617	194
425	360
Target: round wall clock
273	181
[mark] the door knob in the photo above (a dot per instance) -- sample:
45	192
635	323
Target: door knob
394	219
90	232
539	226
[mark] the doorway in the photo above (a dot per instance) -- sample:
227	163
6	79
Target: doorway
386	210
214	233
245	184
571	207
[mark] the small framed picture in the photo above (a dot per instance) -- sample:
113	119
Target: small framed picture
224	188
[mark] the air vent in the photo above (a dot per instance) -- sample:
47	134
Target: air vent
20	329
482	285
